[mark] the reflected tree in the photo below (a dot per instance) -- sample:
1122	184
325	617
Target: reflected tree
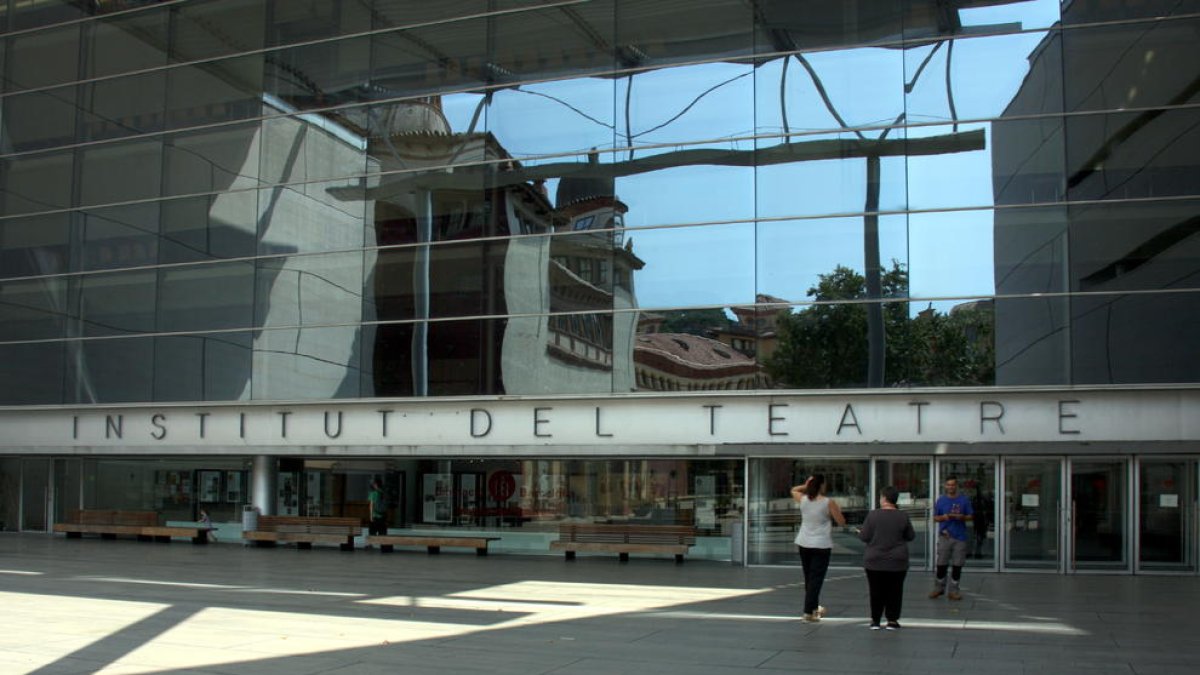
825	345
695	321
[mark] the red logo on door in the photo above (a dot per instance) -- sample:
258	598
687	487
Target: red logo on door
501	486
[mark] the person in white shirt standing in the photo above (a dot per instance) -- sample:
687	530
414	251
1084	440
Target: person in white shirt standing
815	539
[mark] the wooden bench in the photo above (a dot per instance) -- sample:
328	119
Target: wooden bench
304	531
432	542
144	525
624	539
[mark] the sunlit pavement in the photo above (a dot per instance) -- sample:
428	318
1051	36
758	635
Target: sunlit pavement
92	606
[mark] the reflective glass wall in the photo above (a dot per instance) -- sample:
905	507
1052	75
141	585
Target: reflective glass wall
257	199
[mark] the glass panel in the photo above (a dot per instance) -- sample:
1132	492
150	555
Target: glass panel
977	480
1032	341
308	290
40	119
122	172
306	363
686	193
1032	502
560	354
426	59
309	217
1141	338
296	21
317	75
461	280
830	90
1008	16
212	29
546	118
110	371
711	265
1166	512
116	303
203	367
36	183
134	42
206	297
204	228
10	494
118	237
31	373
35	494
774	515
1118	10
911	480
302	148
817	24
1133	155
213	160
994	76
1099	503
67	490
822	259
685	104
167	486
33	310
1131	65
524	501
125	106
43	58
1135	246
211	93
828	175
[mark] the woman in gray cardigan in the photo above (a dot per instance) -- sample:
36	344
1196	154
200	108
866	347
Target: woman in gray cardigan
886	531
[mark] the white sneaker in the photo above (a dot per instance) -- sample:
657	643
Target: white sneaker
820	611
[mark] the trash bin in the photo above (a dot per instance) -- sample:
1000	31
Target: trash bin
249	518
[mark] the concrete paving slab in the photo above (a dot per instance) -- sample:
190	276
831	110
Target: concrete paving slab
123	607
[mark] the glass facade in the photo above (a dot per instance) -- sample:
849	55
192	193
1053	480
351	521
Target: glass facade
227	201
253	200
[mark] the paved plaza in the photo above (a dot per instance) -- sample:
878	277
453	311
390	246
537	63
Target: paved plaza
92	606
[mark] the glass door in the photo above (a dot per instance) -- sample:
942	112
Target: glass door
977	480
1099	511
774	517
1166	515
911	479
35	494
1032	511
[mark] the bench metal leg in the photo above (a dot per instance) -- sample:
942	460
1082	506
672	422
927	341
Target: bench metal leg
202	539
107	535
74	535
624	557
347	547
481	551
304	545
570	555
435	549
162	540
385	548
678	558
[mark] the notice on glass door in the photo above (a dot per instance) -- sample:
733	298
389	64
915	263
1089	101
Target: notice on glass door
1168	501
1029	500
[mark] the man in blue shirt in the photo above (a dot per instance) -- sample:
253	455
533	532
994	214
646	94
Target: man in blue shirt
951	512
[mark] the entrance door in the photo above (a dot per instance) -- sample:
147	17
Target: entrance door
1166	517
35	494
1033	510
911	479
976	480
1099	514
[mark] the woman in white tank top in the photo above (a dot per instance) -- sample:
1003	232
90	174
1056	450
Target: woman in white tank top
815	539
